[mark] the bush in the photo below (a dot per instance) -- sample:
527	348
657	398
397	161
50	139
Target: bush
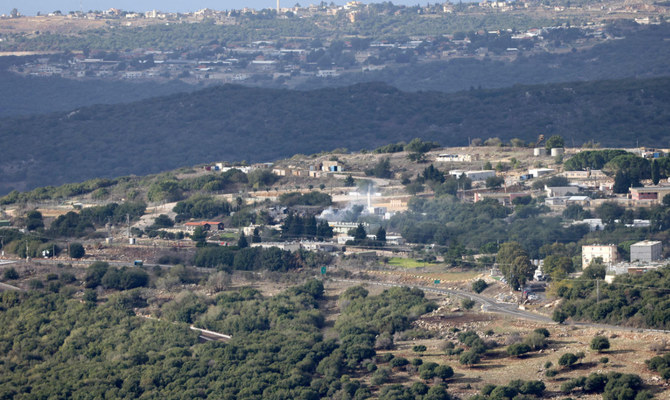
467	304
518	349
543	331
398	362
10	274
419	348
567	360
479	286
600	343
77	250
550	373
469	358
604	360
444	371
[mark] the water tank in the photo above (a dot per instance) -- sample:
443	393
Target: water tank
557	151
539	152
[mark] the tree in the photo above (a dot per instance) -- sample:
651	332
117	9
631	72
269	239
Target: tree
609	212
600	343
359	233
163	221
381	234
242	241
487	166
199	236
558	267
218	281
514	264
469	358
559	316
382	169
655	172
256	237
34	220
349	181
554	142
622	182
77	250
518	349
479	285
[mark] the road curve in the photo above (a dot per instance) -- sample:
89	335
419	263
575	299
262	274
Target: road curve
510	309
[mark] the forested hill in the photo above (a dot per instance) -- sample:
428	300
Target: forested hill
239	123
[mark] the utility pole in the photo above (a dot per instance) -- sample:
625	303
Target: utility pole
597	290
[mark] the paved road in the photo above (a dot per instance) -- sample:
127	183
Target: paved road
510	309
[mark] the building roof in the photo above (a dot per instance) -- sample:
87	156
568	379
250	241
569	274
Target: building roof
646	243
202	223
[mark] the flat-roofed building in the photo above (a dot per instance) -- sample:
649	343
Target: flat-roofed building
607	253
646	250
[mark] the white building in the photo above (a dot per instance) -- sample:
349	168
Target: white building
608	253
538	172
481	175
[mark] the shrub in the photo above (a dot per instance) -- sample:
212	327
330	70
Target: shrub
419	348
543	331
444	371
518	349
77	250
384	358
10	274
479	285
469	358
567	360
600	343
398	362
467	304
550	373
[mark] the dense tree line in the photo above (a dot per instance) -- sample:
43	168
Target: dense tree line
632	300
80	224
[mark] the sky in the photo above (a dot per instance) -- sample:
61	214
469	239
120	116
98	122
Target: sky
31	7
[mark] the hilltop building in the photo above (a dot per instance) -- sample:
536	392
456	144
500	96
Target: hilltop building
607	253
646	250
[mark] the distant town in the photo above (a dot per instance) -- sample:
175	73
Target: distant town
288	61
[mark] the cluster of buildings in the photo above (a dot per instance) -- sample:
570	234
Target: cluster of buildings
644	256
287	60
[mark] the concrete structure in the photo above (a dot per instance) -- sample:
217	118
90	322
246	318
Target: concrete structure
555	191
331	166
537	172
653	193
608	253
481	175
539	152
456	158
646	250
557	151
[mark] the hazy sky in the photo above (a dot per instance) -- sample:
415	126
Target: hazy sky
31	7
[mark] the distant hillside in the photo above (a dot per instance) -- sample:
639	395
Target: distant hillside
39	95
239	123
638	53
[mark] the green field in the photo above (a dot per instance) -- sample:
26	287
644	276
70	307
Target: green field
408	263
